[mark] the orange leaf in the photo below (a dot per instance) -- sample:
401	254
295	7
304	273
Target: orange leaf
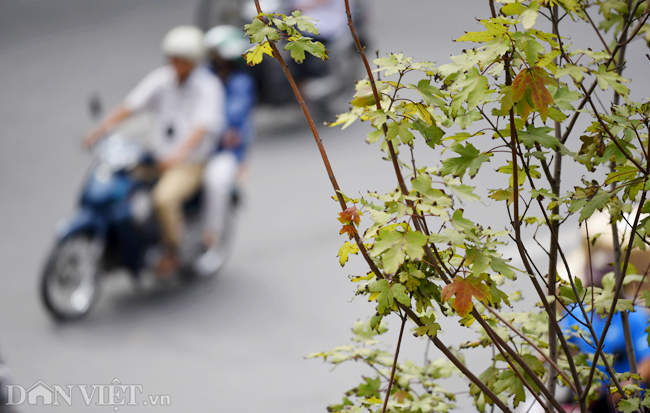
351	214
349	229
465	289
536	79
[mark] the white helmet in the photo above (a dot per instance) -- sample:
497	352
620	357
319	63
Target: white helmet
185	42
227	40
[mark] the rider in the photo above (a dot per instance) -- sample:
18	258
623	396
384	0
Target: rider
188	103
594	269
225	45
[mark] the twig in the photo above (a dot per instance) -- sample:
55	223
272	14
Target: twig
323	153
535	346
392	373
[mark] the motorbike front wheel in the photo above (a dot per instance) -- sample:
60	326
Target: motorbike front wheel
70	281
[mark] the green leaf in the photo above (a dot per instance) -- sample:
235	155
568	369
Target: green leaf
460	190
304	23
623	173
400	129
422	184
258	31
395	246
473	86
431	94
576	72
391	64
596	203
370	388
388	294
567	291
469	161
529	17
540	135
629	405
465	119
298	47
430	327
431	133
607	78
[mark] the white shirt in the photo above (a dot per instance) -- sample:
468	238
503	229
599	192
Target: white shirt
180	109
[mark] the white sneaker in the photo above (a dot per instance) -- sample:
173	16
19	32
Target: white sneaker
209	262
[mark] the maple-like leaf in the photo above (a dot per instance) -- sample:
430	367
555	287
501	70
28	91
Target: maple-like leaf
430	327
536	79
395	246
470	160
348	229
464	289
401	129
347	249
298	47
606	78
351	214
258	31
255	54
304	23
387	293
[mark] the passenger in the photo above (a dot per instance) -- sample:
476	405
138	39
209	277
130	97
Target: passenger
187	101
225	45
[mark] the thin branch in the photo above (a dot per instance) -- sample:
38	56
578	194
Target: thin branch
319	143
535	346
392	373
456	362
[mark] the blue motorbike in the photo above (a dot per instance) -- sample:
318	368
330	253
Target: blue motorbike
114	228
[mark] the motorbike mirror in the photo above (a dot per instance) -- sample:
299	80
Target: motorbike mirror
95	106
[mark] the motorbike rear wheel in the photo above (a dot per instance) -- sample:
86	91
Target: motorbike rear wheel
70	280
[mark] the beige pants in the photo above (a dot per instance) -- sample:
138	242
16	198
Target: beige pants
174	187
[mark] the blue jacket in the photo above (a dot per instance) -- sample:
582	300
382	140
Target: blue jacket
614	341
240	101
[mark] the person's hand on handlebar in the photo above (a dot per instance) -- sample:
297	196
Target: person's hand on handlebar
107	124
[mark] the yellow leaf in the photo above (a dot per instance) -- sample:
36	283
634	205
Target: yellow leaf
255	54
548	58
346	249
424	114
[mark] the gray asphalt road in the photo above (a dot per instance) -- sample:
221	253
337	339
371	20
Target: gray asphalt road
235	343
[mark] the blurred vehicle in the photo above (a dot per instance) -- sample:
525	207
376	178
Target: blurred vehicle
321	87
115	227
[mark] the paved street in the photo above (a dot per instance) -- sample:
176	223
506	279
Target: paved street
233	344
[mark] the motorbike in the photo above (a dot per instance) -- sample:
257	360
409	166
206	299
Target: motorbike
114	227
325	91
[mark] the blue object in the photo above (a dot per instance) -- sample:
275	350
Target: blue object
106	208
240	101
614	340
